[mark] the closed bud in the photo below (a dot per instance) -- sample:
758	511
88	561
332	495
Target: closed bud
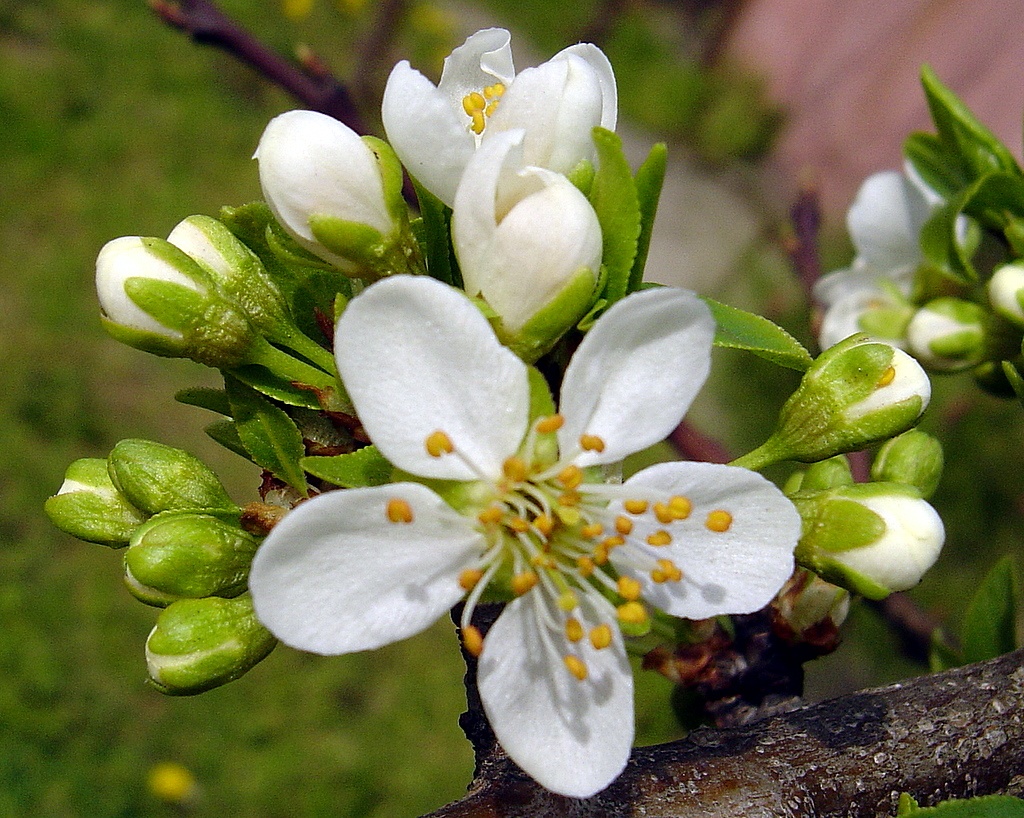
156	298
199	644
187	555
1006	292
948	334
871	538
155	477
90	507
826	474
914	458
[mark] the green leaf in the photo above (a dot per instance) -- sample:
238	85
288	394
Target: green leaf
738	329
361	468
991	621
941	246
935	163
216	400
1015	378
433	231
614	199
225	433
987	806
270	437
942	656
263	380
649	179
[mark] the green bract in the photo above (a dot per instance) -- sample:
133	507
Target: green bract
89	506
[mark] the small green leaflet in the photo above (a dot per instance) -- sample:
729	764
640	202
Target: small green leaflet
613	196
361	468
649	179
433	232
739	329
990	626
987	806
215	400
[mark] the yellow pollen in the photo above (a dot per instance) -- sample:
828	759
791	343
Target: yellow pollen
518	524
544	524
623	525
546	426
591	531
543	561
521	583
663	513
399	510
576	667
568	515
492	106
667	571
491	515
473	102
573	630
438	443
613	541
585	565
887	377
635	506
569	498
718	521
632	613
469	578
629	588
570	477
494	91
515	469
601	637
472	640
680	507
661	537
568	601
601	554
591	443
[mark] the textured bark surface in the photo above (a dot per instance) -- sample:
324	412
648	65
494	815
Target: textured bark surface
953	734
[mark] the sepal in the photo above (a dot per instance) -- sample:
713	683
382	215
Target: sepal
89	506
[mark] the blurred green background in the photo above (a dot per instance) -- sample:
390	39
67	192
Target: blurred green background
113	123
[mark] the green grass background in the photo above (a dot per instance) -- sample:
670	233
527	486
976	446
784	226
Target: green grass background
113	124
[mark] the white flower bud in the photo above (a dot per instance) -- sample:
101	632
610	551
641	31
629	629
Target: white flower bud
1005	292
948	334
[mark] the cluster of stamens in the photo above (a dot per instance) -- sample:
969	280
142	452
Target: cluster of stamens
479	106
551	529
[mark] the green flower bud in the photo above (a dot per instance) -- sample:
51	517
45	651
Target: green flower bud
187	555
1006	292
198	644
914	459
90	507
948	334
810	608
871	538
156	478
156	298
827	474
856	393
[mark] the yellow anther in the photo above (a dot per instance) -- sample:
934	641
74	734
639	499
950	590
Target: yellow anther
629	588
718	520
623	525
591	443
472	640
399	510
573	630
569	498
544	524
680	507
469	577
600	554
543	561
632	613
887	377
672	572
478	123
473	102
591	531
491	515
546	426
660	537
613	541
635	506
570	477
438	443
576	667
521	583
568	601
518	524
515	469
585	565
492	106
568	515
601	636
494	91
663	513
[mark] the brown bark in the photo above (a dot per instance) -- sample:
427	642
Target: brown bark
953	734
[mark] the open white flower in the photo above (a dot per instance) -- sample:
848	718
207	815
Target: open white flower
435	129
527	513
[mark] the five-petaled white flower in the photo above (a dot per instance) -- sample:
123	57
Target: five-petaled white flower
521	505
435	129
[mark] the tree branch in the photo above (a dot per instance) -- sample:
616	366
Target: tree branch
953	734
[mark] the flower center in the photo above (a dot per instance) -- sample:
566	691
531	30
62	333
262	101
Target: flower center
480	105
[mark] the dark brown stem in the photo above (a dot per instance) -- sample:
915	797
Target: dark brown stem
375	48
695	445
913	626
949	735
802	245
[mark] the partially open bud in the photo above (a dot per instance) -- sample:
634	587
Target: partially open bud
914	458
90	507
871	538
1006	292
338	194
809	609
156	478
187	555
156	298
528	244
948	334
198	644
856	393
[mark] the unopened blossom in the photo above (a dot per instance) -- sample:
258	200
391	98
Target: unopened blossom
435	129
519	507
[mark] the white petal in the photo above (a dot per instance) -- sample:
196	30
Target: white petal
573	737
484	59
418	357
636	373
885	221
730	572
430	135
597	60
336	575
